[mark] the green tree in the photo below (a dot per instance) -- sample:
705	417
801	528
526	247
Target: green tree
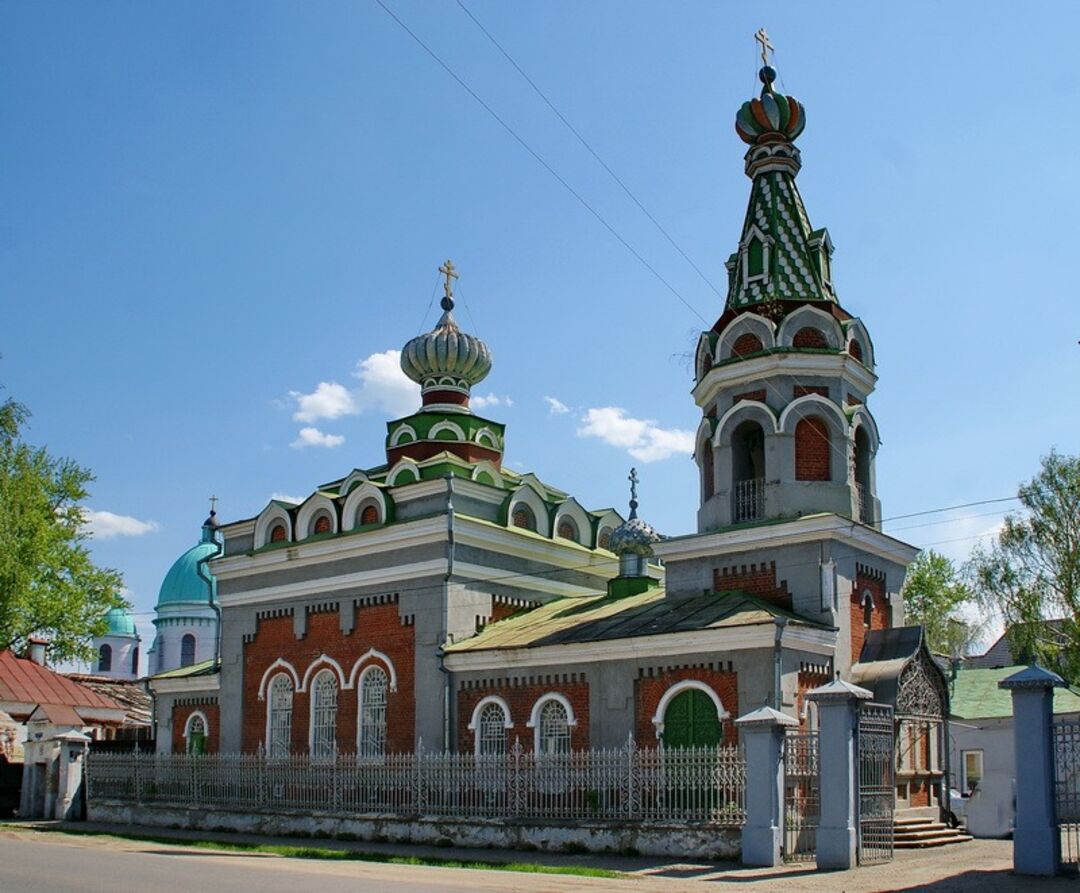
49	585
934	595
1031	573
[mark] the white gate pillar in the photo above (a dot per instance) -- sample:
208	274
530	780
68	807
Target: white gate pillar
838	717
762	733
1036	839
73	747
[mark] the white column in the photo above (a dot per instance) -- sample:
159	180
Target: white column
1036	839
73	747
838	717
762	733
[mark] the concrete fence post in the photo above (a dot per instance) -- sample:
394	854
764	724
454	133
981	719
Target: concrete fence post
762	734
838	723
1036	838
70	793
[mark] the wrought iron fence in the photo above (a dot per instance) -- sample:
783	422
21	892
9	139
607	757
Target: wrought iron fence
748	500
1067	788
802	796
706	784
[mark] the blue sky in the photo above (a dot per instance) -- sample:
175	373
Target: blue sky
209	210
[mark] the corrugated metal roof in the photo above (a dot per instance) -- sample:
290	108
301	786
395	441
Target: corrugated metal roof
202	668
25	682
599	618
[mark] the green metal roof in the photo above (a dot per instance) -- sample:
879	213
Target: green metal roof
578	620
975	695
183	584
202	668
121	623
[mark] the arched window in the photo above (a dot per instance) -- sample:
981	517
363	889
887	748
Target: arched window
279	722
104	662
855	349
553	729
523	517
567	529
491	730
748	472
324	694
369	514
809	337
135	661
195	734
867	610
691	720
604	540
755	258
708	472
862	475
746	344
374	686
277	533
812	450
187	650
322	524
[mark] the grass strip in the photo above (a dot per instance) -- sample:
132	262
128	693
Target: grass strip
315	852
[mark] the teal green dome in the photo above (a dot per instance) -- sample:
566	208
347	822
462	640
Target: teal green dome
121	623
183	584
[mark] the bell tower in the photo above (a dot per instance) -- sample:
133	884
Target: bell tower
783	376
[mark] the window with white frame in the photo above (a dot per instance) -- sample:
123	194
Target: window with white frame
279	724
553	729
374	686
324	696
971	763
491	730
195	734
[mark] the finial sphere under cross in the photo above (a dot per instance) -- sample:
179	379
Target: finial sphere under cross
762	37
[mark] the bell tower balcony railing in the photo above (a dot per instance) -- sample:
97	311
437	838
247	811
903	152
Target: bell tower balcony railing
866	504
748	501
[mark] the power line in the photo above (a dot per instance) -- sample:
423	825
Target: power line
510	130
950	508
581	139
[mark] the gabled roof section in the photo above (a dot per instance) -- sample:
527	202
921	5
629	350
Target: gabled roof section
24	682
975	695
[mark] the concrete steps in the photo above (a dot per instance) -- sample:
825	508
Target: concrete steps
916	834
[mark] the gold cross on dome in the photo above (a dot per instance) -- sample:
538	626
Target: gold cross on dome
448	271
762	37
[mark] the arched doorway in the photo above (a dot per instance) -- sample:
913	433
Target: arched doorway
748	473
691	720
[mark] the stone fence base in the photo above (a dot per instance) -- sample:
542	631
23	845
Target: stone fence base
690	841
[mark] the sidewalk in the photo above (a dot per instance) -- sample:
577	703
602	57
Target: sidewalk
981	866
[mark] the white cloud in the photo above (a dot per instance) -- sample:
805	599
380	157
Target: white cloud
556	406
328	401
285	497
106	525
641	438
384	386
314	437
482	402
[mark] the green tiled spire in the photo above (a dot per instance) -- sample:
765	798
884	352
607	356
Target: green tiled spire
781	257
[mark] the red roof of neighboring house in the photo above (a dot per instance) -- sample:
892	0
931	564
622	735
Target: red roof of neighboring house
25	682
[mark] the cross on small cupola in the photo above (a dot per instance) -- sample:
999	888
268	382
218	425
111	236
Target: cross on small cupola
447	269
762	37
633	478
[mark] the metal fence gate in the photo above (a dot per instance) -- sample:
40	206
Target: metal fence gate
877	794
1067	789
802	799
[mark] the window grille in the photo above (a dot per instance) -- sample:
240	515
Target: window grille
324	715
187	650
280	726
373	690
196	735
492	730
554	729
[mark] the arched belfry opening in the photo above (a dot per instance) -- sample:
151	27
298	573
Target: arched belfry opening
863	483
748	472
708	472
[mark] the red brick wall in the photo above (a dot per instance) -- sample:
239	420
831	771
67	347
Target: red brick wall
758	395
648	690
521	699
809	337
812	450
867	580
376	626
801	390
746	343
180	716
754	579
807	680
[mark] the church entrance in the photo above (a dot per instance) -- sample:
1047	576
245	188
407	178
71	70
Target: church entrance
691	720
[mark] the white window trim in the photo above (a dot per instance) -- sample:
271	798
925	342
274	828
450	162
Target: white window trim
766	248
400	466
270	704
391	680
277	666
324	662
677	689
444	425
965	788
311	710
266	522
474	723
350	512
187	726
400	432
366	661
534	717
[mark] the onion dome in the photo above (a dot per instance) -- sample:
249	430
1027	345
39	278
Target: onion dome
772	117
633	540
446	362
184	584
120	623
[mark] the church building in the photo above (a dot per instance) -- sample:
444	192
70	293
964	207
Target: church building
440	599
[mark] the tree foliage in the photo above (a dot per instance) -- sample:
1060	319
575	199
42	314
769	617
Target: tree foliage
49	585
934	595
1031	573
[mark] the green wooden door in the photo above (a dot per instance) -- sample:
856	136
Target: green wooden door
691	721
